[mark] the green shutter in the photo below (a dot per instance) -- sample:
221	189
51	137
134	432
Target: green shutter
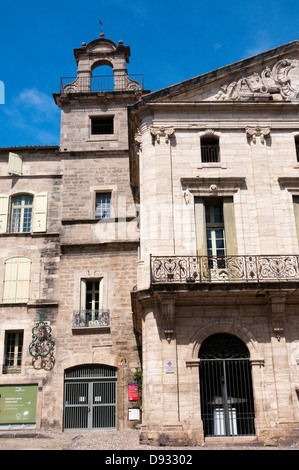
40	212
4	199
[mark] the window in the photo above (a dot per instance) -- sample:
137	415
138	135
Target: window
21	213
91	312
27	213
16	280
210	150
297	147
103	202
216	248
13	352
102	126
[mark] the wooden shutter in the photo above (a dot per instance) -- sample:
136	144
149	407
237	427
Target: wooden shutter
40	212
101	294
10	280
4	199
14	164
17	280
23	280
230	226
83	295
200	226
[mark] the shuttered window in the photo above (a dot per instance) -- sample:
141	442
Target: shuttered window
27	213
16	280
215	215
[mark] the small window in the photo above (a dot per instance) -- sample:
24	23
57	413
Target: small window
297	147
210	150
102	126
21	213
13	352
103	205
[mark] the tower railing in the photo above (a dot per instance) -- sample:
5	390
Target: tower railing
101	83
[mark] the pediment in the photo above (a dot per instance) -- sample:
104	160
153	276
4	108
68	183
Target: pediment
270	76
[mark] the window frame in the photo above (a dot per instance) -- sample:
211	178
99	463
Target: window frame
209	139
98	194
111	124
22	208
13	352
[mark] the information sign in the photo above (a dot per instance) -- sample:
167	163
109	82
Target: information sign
18	404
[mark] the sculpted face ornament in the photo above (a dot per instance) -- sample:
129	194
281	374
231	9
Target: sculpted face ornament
279	84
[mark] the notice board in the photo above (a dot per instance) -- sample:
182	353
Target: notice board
133	394
18	404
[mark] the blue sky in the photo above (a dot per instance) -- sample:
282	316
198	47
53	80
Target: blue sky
170	42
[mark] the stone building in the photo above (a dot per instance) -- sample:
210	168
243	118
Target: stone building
161	233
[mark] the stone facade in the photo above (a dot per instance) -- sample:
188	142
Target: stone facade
198	248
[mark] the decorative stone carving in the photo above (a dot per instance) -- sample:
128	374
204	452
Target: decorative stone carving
277	315
167	305
279	84
158	132
257	131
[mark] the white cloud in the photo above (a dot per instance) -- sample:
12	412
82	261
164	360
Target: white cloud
35	114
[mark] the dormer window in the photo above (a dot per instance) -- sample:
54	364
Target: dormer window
210	150
102	125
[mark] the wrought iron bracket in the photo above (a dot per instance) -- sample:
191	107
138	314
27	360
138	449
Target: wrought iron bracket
42	346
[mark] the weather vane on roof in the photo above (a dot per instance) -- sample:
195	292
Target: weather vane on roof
101	23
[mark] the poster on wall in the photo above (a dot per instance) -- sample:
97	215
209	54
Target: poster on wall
18	404
133	394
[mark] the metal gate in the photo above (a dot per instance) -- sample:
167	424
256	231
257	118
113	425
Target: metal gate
227	406
90	400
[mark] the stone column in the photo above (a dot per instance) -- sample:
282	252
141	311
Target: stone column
172	430
280	359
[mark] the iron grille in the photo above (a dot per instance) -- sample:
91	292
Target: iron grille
90	397
246	268
91	318
209	153
227	406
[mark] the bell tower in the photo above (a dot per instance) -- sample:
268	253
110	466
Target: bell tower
94	107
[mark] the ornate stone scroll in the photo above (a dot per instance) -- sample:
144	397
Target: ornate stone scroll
279	84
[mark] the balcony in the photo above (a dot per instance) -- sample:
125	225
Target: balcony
213	269
91	318
101	83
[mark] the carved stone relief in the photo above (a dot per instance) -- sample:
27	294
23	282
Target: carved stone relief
158	132
257	131
279	84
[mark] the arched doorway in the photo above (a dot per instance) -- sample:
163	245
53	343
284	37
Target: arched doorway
226	394
90	397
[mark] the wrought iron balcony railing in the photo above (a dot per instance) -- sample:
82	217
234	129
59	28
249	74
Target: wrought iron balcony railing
91	318
101	83
207	269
